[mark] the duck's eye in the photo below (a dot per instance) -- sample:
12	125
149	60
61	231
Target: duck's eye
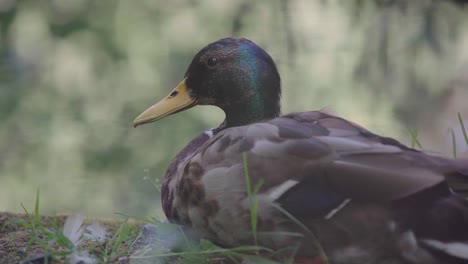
212	61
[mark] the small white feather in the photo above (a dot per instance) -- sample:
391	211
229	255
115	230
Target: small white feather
95	232
73	229
279	190
338	208
209	132
456	249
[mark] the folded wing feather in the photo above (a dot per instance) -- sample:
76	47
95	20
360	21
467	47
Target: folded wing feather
329	152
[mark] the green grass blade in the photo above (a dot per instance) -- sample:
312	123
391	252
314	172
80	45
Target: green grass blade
59	237
292	218
462	125
31	224
26	211
414	138
306	230
118	239
454	144
254	211
253	200
37	217
246	175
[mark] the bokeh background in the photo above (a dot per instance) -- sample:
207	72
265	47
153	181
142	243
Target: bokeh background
75	73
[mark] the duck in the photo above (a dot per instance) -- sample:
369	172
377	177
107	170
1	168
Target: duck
308	184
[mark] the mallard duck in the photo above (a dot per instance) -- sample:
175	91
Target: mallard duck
316	180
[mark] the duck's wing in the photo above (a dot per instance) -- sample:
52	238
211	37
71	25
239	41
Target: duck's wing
319	149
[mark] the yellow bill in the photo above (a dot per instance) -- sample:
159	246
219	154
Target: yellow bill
178	100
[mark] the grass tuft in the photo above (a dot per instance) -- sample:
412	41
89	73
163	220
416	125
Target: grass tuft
414	138
71	241
45	237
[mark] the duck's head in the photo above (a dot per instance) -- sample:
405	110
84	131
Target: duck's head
234	74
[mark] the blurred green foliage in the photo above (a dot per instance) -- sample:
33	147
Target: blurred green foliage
74	74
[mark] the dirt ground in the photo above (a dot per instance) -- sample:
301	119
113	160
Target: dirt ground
15	237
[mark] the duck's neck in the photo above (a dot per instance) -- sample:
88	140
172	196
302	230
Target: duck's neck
260	89
251	111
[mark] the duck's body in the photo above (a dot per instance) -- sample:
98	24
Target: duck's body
366	198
